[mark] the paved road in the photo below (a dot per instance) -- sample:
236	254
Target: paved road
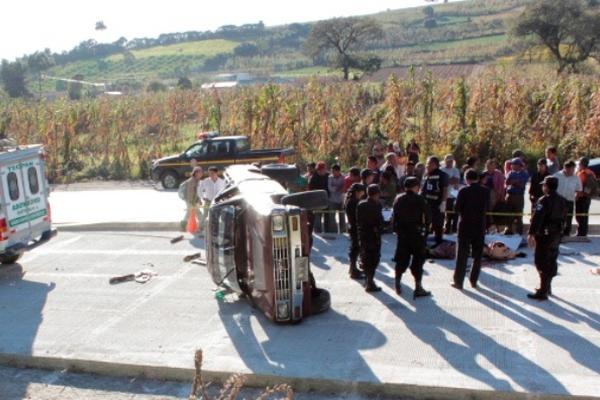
58	303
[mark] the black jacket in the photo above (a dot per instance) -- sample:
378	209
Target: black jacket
535	190
350	209
369	220
472	204
411	214
318	182
549	216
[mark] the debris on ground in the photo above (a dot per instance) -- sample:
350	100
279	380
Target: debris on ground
192	257
199	262
177	239
140	277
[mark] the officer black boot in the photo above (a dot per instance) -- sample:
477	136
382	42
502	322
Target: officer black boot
538	295
419	291
370	285
354	272
398	284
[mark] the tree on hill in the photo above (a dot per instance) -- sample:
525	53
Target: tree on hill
13	78
567	28
343	37
246	50
39	62
184	83
75	89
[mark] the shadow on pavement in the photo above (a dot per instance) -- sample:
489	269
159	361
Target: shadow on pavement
465	357
506	296
21	314
325	346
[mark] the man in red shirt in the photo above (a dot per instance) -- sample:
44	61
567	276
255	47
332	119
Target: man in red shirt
353	177
584	199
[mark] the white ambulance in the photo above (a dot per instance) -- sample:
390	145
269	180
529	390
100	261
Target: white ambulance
25	220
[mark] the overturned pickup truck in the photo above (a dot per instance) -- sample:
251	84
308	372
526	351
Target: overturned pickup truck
258	242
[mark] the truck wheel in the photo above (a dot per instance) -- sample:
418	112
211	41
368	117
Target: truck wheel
6	259
169	180
280	172
320	301
312	200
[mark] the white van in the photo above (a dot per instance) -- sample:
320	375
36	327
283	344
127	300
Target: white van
25	220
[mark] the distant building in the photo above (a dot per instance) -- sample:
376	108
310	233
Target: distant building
225	81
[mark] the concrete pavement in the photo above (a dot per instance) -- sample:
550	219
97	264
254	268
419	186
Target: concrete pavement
58	307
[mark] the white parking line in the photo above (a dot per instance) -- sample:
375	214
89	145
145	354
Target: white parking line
124	252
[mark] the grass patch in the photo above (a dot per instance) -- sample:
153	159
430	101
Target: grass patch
455	44
204	48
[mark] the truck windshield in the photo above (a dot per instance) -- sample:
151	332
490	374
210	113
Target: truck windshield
242	145
197	150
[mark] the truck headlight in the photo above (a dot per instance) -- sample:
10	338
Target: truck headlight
278	223
283	311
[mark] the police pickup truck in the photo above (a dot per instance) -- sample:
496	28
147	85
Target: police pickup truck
24	208
213	150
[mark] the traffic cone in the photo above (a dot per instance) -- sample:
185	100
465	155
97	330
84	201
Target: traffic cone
192	224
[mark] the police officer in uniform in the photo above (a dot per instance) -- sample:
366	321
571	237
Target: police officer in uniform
545	233
410	220
435	191
472	205
369	220
353	197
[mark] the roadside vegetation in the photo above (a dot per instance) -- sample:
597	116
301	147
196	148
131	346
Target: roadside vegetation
487	114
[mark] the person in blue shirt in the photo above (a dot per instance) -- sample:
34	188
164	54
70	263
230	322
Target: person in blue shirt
516	181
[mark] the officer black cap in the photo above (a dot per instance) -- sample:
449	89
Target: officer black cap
357	187
551	182
373	189
411	182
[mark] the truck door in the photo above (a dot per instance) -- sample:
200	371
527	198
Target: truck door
220	154
21	208
36	192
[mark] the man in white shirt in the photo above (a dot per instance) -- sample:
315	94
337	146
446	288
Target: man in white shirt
569	187
453	186
207	191
392	159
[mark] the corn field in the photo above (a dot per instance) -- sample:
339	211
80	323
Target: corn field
487	116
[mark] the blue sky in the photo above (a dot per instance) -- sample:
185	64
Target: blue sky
30	25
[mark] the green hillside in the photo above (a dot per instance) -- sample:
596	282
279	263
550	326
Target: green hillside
473	31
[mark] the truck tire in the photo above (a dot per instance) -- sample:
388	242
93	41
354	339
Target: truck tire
9	259
320	301
280	172
169	180
311	200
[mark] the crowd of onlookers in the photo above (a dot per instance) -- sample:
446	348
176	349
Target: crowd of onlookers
508	182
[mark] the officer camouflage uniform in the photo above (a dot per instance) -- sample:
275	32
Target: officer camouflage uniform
411	217
369	220
546	227
350	208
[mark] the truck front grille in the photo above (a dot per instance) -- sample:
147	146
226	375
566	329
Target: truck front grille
283	276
